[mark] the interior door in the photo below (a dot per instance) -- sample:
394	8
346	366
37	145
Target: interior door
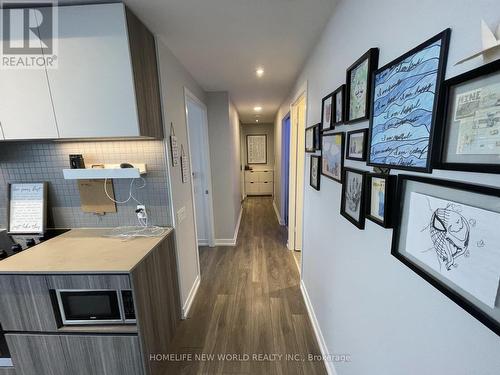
196	142
25	105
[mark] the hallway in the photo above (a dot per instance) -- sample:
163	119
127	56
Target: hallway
249	303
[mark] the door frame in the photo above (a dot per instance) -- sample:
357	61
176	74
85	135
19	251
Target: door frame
188	95
297	138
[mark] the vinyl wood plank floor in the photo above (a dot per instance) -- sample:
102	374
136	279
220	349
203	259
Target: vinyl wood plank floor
249	303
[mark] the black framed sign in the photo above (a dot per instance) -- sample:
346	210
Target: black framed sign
358	87
339	105
405	94
332	161
356	145
314	172
313	134
27	209
447	232
352	206
380	190
326	113
257	149
469	138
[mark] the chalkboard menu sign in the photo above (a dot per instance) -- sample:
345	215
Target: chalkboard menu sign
27	207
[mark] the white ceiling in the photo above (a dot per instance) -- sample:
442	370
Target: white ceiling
221	42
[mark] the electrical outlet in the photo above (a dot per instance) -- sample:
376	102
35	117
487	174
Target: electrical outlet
141	212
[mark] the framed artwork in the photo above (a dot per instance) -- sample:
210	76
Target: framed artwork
27	209
352	206
356	145
405	94
469	139
313	138
359	84
332	160
447	232
314	173
326	112
339	105
257	149
379	198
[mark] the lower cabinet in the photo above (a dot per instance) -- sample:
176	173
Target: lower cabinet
259	182
34	354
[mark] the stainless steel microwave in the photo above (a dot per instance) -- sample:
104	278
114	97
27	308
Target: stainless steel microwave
95	306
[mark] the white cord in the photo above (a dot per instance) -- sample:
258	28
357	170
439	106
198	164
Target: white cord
130	195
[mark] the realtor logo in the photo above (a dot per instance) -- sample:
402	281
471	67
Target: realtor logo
29	35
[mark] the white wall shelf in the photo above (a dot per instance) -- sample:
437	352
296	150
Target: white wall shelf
110	172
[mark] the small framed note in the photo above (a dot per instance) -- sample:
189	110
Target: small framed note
174	146
27	211
184	166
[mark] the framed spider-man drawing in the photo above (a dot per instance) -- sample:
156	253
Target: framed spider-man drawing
447	232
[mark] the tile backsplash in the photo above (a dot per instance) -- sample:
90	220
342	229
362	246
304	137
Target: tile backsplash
37	162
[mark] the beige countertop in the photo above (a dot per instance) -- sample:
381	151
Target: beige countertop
82	251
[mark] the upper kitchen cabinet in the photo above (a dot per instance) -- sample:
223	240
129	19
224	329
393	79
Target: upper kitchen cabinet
25	106
106	82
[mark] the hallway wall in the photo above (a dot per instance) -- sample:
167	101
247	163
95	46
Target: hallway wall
173	80
224	138
367	303
267	129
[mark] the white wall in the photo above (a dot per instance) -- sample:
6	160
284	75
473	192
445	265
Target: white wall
224	138
267	129
368	304
173	80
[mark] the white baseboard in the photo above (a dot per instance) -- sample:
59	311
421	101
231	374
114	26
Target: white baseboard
203	243
234	240
281	221
330	368
190	299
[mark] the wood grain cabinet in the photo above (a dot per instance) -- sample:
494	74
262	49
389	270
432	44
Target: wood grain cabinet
105	84
36	354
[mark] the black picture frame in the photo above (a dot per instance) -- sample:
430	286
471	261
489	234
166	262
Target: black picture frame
247	139
359	198
450	290
372	57
330	126
340	91
388	201
446	103
342	148
444	37
316	134
315	182
348	145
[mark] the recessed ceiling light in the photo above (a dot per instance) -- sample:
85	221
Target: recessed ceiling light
257	109
259	72
257	120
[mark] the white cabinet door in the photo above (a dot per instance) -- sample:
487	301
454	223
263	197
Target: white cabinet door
92	87
25	107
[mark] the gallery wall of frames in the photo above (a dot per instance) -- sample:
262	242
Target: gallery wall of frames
419	122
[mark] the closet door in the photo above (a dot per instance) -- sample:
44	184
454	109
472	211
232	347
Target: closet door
92	87
25	106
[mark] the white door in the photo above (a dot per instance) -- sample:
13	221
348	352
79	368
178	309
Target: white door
200	166
25	106
92	87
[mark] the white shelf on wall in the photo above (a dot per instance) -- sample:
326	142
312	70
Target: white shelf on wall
110	171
